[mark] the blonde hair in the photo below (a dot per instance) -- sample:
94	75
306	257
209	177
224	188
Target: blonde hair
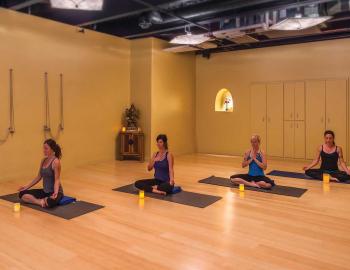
256	137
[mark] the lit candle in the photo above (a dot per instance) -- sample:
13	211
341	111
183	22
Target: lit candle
17	207
141	194
241	187
123	129
326	177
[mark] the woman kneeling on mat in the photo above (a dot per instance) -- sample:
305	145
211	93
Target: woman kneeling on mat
331	156
162	162
256	160
50	169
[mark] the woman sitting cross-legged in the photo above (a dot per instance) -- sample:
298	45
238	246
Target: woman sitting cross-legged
331	156
49	171
162	162
256	160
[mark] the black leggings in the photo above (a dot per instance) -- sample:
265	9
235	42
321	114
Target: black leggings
147	185
318	174
41	194
256	179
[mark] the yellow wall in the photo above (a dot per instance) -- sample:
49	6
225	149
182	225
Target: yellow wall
173	98
96	70
163	88
228	133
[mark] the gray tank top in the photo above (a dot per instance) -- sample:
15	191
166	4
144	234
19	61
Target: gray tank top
48	175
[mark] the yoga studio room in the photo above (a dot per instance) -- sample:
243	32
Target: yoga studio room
174	134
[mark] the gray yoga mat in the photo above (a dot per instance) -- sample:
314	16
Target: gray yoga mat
297	176
68	211
279	190
184	197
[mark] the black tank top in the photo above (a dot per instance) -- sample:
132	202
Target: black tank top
329	161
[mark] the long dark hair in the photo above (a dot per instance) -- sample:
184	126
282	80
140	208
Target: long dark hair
330	132
55	147
164	138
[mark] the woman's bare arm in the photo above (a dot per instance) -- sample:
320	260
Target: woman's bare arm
341	161
263	164
151	162
34	181
315	161
171	168
246	161
57	169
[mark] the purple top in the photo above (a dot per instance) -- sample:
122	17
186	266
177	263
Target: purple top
161	169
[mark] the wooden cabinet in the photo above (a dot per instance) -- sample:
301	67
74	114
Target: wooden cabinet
294	139
315	115
336	104
326	108
258	112
132	145
294	101
291	117
274	130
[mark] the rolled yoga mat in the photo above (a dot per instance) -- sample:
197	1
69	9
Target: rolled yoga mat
279	190
184	197
68	211
297	176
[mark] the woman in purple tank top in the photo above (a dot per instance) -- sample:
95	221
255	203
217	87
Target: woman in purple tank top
162	162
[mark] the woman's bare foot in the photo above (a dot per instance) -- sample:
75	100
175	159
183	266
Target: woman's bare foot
154	190
253	184
333	179
43	203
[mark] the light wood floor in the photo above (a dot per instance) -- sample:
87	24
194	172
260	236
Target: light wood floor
251	231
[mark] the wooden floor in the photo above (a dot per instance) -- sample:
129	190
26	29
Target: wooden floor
250	231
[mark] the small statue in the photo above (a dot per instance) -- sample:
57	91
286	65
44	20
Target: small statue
131	117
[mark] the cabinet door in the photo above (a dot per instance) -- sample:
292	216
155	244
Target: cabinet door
315	115
289	139
274	119
336	111
258	112
299	139
289	101
299	105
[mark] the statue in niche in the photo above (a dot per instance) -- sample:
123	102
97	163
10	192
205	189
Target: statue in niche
131	117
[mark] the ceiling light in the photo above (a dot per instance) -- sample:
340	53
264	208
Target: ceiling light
299	23
190	39
78	4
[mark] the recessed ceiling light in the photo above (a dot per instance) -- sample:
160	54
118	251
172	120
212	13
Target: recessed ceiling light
299	23
190	39
77	4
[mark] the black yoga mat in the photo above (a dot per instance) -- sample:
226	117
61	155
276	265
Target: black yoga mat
279	190
297	175
68	211
184	197
290	174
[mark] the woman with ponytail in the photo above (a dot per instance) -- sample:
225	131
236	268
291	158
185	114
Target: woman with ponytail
163	164
50	169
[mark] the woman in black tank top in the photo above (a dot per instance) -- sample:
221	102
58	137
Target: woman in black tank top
331	157
50	169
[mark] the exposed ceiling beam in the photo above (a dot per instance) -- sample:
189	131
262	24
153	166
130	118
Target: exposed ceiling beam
157	8
133	13
260	10
27	4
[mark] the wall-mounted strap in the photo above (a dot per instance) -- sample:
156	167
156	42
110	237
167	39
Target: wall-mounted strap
11	128
47	124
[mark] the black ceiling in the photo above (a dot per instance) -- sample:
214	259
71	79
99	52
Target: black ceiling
122	18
